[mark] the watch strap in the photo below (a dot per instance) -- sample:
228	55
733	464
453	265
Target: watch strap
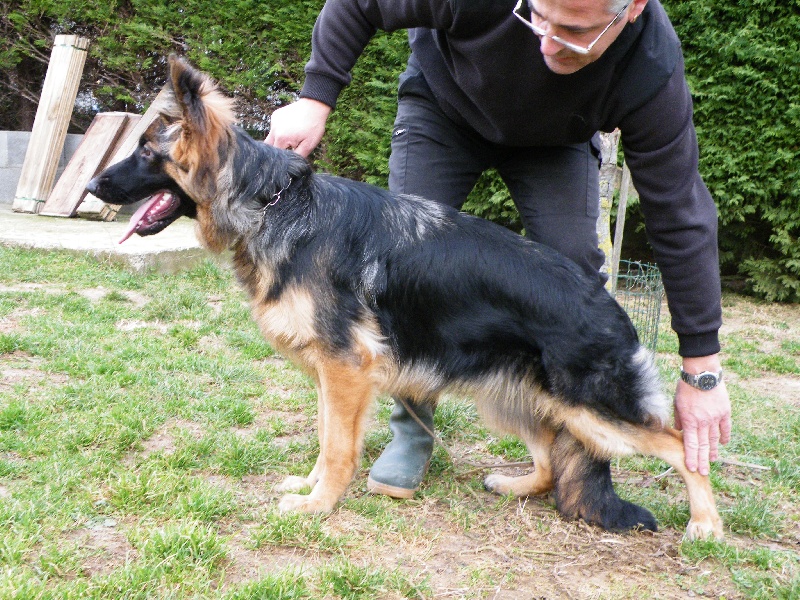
707	380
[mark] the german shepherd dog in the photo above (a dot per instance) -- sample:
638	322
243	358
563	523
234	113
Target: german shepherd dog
372	292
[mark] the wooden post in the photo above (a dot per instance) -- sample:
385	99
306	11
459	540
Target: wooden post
609	143
94	208
51	122
621	209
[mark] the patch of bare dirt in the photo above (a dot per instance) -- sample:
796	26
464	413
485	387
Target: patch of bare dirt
135	324
105	545
246	563
523	553
8	325
785	388
164	439
21	368
99	293
767	325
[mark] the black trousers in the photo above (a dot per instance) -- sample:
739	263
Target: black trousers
555	189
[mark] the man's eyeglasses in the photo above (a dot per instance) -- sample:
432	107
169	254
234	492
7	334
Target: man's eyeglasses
569	45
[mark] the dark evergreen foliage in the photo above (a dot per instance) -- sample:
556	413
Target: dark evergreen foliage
742	62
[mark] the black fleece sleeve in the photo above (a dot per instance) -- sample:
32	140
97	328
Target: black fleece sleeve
661	150
344	28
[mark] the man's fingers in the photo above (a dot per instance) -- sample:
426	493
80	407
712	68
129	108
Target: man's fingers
281	142
304	148
713	443
725	430
703	449
690	446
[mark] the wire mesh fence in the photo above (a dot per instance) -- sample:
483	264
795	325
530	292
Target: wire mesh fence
639	290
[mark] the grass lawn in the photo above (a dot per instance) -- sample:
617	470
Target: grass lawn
144	424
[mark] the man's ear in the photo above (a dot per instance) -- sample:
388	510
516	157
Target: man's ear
636	8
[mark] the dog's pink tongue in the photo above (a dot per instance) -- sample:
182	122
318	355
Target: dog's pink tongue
138	218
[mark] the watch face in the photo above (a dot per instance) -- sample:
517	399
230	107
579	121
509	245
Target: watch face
707	381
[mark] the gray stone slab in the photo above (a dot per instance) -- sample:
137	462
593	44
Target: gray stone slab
174	249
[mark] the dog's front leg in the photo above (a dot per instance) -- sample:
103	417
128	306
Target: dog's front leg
346	394
295	483
539	441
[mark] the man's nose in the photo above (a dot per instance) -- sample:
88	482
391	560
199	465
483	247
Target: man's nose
549	46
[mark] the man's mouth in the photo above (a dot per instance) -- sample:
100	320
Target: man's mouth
161	209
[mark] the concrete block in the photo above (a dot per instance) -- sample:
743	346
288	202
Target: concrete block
8	184
71	143
13	145
17	145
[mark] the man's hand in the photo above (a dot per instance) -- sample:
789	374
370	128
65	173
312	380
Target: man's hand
704	416
299	126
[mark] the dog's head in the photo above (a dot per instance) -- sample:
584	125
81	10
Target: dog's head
176	163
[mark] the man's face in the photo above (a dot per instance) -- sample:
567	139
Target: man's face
579	22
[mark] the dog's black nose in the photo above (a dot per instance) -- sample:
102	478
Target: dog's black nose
92	186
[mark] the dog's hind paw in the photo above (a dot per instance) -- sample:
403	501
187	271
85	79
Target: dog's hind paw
627	516
294	483
612	513
704	529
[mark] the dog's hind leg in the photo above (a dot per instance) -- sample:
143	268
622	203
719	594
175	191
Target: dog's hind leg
583	489
540	480
346	393
607	438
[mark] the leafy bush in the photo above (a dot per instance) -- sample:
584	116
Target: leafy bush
255	49
743	66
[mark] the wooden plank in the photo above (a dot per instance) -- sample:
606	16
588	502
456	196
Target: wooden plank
624	189
51	122
92	154
609	143
94	208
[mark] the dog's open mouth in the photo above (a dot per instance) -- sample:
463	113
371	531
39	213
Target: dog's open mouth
161	209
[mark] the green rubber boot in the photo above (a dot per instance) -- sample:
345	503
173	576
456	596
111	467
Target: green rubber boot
398	472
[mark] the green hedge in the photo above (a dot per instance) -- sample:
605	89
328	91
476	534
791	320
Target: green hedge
743	66
256	49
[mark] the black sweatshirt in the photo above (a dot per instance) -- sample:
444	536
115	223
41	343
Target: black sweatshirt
487	72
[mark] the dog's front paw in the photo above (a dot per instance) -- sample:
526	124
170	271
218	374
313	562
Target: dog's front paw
498	484
300	503
704	529
534	483
293	483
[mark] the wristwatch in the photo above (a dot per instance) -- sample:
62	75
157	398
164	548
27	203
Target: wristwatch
707	380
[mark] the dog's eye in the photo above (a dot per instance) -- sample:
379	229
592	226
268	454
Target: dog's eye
147	152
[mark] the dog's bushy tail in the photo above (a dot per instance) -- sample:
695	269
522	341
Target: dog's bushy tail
583	489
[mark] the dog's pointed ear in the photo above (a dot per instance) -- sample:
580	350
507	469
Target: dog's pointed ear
203	107
186	86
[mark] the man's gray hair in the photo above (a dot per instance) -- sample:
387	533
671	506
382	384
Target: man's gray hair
614	6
